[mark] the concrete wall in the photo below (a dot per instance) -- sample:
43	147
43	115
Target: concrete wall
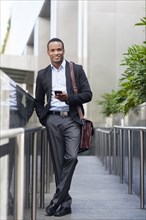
67	27
41	38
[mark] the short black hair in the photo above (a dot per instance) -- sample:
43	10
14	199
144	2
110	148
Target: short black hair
54	40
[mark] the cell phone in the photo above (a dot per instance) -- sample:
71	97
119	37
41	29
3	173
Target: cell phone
57	92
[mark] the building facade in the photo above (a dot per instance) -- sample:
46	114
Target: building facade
95	34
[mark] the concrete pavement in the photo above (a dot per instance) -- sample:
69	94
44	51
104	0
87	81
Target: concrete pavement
97	195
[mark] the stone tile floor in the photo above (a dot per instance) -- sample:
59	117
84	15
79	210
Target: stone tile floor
97	195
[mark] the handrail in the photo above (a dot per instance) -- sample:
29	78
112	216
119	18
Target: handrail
105	146
105	130
9	133
19	187
130	127
13	132
141	129
34	129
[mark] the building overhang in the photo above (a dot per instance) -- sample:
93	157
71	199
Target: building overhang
19	68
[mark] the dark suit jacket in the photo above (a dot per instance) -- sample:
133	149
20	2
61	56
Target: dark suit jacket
44	87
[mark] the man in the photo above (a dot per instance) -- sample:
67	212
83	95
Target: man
61	119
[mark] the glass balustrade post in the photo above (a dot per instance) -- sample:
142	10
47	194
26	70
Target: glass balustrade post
100	134
109	139
34	176
114	152
42	175
141	169
129	163
102	148
106	146
19	178
121	155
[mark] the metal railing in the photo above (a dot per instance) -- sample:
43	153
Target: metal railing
115	147
22	191
19	195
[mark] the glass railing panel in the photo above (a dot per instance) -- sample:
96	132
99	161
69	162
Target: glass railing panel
16	110
135	117
16	105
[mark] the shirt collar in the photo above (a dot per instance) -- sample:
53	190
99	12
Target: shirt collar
62	66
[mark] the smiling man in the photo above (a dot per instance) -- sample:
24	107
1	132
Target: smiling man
60	116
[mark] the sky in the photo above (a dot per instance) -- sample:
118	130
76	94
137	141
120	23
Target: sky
5	11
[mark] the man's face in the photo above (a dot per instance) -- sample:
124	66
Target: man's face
56	52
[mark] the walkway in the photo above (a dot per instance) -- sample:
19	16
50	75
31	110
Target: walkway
98	195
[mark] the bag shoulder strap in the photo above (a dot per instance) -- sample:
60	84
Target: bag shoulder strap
75	88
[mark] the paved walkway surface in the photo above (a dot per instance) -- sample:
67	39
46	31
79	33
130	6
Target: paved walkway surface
97	195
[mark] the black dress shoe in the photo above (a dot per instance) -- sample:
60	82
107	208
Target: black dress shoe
51	209
62	211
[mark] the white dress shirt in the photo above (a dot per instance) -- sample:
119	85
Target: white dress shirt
58	83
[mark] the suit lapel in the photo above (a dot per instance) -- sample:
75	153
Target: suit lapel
68	78
48	79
